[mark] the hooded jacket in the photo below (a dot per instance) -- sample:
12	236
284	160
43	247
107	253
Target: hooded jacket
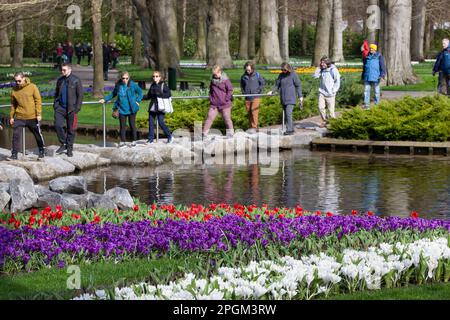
330	80
128	97
221	92
288	84
26	101
373	67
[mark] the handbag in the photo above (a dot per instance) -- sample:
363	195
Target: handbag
115	114
165	104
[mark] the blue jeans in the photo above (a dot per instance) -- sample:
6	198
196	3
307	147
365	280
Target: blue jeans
162	124
367	87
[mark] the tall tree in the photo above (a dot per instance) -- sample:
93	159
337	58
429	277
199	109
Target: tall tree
372	28
5	48
18	45
396	24
284	30
181	23
218	28
337	54
202	12
96	10
112	22
304	41
243	30
269	49
322	39
252	23
418	30
148	32
429	34
137	39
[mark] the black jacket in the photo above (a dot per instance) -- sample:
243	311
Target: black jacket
439	64
74	94
155	92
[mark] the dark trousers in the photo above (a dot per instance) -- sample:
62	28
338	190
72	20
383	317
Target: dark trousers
89	59
105	71
162	124
79	59
35	129
444	83
68	120
123	126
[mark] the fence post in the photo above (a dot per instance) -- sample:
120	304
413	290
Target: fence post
157	130
104	124
23	141
282	124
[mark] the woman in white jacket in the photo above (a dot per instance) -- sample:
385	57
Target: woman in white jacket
330	81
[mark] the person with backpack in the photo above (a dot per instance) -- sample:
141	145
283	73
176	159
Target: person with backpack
252	83
330	81
128	94
442	66
374	69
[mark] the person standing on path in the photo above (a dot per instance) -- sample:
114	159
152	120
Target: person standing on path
67	104
158	89
220	99
374	70
79	52
330	81
128	94
26	111
252	83
442	66
289	86
106	60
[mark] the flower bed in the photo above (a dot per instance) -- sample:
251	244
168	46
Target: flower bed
311	70
389	265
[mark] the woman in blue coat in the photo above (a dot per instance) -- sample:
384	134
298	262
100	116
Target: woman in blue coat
128	94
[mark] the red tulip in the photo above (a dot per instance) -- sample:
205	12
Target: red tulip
318	213
65	228
329	214
370	213
414	215
136	208
58	208
34	212
354	213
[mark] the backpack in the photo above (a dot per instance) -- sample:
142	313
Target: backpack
446	61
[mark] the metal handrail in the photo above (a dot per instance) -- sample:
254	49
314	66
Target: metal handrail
157	124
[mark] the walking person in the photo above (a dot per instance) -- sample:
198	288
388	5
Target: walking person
442	66
69	52
89	53
59	56
106	60
330	81
252	83
374	70
220	100
26	111
289	86
67	104
128	94
115	53
158	89
79	52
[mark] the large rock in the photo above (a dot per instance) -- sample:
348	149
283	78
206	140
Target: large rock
70	184
82	160
47	198
4	201
9	172
100	201
4	186
137	156
60	166
38	170
121	198
74	202
23	195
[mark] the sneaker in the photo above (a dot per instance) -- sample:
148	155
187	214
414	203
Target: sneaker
61	149
288	133
69	153
12	157
149	142
133	144
170	140
122	144
41	154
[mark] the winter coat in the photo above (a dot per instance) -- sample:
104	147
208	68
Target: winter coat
288	84
221	92
373	68
252	83
156	92
26	101
439	65
128	97
74	94
330	80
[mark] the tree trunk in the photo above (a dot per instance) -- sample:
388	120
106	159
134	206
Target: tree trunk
218	25
322	39
304	37
338	51
181	23
243	30
372	27
252	29
284	30
396	15
5	48
202	13
269	50
96	10
137	40
429	32
18	45
148	32
112	22
51	32
418	30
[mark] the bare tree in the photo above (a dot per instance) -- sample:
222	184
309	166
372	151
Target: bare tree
252	23
5	48
181	22
137	39
18	45
284	30
112	21
372	30
322	39
269	51
243	30
96	10
338	46
148	32
202	11
418	30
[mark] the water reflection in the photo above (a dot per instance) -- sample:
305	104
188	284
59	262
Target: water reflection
317	181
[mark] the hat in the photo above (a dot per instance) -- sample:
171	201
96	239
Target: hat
373	46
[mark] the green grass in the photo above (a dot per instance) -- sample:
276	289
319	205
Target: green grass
434	291
426	80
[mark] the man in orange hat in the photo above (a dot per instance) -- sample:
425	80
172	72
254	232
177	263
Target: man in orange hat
374	70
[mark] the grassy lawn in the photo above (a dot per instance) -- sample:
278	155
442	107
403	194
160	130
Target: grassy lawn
426	80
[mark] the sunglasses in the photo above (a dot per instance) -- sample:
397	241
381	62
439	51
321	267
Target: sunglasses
156	77
125	78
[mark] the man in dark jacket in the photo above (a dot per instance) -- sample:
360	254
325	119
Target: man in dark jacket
106	60
439	67
68	99
252	83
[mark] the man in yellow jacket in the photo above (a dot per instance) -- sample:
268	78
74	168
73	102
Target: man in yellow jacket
26	111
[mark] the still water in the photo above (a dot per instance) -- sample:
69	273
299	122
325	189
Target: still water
386	185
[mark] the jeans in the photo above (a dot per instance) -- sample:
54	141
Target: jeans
288	117
162	124
444	84
123	126
367	87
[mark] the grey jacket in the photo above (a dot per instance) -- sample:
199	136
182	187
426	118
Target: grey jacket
253	83
330	80
288	84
